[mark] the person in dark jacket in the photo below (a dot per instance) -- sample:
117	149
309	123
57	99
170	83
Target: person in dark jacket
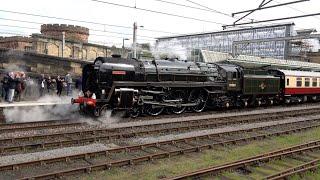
49	84
59	82
20	86
5	88
79	84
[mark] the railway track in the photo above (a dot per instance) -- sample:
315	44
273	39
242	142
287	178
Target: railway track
306	155
134	154
34	125
308	166
63	139
23	126
221	110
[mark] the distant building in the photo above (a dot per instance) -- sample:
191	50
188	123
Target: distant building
50	42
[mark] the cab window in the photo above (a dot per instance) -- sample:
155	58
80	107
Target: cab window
234	75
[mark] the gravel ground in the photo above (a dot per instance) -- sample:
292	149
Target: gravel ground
218	115
46	131
219	130
19	158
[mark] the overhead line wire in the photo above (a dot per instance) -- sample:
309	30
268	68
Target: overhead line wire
82	21
192	7
297	10
158	12
90	33
89	28
219	12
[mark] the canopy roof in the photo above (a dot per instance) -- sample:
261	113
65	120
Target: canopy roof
254	61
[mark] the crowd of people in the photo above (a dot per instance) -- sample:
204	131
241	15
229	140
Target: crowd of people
16	86
13	84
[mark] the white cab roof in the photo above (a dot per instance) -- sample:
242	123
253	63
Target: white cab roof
300	73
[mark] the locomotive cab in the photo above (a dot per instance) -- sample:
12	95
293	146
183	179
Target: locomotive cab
232	75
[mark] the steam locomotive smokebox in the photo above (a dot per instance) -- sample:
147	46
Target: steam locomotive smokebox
118	69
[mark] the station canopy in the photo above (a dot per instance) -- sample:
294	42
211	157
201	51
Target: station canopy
256	62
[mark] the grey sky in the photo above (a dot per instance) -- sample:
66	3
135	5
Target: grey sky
103	13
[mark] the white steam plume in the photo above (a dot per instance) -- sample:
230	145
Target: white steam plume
169	52
63	110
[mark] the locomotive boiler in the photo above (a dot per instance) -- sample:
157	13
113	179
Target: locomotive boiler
172	86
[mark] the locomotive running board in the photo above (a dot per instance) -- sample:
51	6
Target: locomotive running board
152	92
169	104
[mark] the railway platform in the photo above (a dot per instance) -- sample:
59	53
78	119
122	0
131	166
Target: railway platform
24	108
31	103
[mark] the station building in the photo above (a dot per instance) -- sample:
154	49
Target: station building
50	42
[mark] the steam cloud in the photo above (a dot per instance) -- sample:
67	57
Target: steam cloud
169	52
63	110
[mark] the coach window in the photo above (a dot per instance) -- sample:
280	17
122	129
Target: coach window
314	82
307	82
287	81
299	82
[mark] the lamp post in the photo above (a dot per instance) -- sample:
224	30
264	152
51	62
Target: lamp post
134	44
63	43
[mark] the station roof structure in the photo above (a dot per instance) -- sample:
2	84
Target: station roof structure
255	62
228	30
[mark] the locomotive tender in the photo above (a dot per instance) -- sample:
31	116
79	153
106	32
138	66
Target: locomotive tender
172	85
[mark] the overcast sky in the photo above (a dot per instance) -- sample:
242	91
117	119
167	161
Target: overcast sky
87	10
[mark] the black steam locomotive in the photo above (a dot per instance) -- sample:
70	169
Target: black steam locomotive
171	85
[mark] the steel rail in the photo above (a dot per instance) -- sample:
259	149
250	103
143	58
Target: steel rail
31	123
159	155
312	165
255	159
24	123
14	128
122	134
